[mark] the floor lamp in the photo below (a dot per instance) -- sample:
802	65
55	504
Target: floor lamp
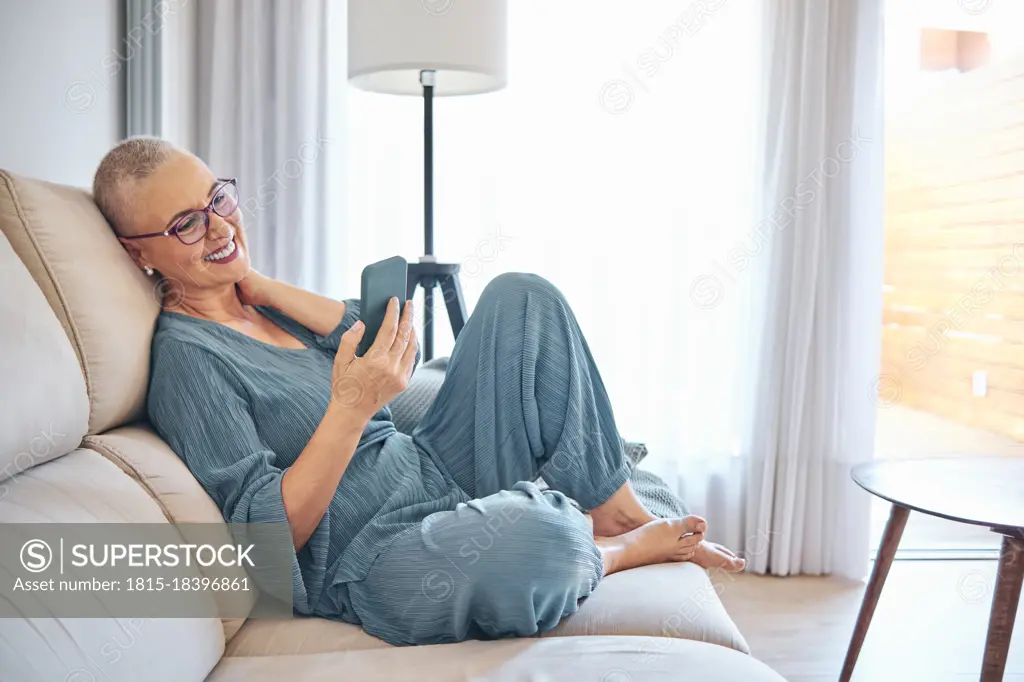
428	49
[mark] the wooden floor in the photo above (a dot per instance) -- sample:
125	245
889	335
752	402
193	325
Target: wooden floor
902	432
929	626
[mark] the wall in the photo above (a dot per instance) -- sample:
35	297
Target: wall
62	99
954	273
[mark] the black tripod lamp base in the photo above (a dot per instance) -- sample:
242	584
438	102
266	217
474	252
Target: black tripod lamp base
431	275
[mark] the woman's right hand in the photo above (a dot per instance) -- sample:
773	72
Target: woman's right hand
359	388
364	385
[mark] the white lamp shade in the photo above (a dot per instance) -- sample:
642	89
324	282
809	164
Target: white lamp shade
463	41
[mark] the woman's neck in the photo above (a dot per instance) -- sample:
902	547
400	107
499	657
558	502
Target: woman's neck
222	306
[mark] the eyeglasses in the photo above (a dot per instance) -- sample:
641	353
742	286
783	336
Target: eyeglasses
192	226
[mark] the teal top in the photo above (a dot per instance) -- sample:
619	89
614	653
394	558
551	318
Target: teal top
239	412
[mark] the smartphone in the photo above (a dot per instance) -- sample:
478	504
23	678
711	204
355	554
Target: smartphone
381	281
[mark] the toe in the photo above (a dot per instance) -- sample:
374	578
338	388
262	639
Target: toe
724	550
729	558
683	555
691	540
694	524
732	563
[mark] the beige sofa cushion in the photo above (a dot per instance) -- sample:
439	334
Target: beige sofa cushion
665	600
300	635
106	304
144	456
581	659
83	487
43	406
141	454
675	601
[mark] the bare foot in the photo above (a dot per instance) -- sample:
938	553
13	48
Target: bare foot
713	555
620	513
655	542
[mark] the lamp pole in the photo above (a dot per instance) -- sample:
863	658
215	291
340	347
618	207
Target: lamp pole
428	80
428	273
459	50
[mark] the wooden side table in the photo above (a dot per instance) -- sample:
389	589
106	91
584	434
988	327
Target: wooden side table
976	490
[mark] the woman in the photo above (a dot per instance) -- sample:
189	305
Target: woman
428	538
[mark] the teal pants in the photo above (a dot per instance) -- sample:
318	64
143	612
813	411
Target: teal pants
522	398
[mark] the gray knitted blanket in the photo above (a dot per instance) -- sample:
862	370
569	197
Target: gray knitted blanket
410	406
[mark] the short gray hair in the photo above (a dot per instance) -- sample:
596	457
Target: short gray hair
121	170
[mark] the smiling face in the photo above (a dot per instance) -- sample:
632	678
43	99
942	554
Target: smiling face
166	199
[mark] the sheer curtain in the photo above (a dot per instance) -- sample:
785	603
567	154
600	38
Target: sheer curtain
815	377
619	163
261	116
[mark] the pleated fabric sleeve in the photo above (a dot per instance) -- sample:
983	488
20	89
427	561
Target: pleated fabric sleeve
200	408
333	340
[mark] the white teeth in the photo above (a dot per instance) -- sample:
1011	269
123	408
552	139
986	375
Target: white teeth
226	251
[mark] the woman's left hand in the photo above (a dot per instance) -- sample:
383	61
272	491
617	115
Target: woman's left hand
254	288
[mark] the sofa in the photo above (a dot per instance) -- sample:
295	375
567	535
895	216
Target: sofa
76	320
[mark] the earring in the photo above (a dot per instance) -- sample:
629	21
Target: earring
148	270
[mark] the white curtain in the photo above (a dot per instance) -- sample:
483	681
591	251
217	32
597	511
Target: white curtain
622	162
819	341
144	69
262	108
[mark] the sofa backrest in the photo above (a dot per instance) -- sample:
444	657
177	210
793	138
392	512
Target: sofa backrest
108	307
44	411
45	477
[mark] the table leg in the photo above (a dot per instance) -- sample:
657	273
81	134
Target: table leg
886	551
1004	608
